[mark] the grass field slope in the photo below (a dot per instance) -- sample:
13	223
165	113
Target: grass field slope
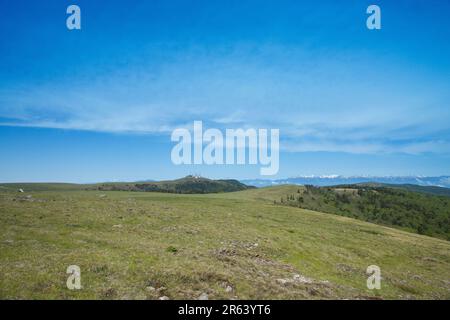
406	208
187	185
237	245
434	190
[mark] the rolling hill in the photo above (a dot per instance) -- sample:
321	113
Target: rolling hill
187	185
236	245
411	208
30	187
438	191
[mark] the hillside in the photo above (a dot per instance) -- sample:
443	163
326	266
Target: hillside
238	245
438	191
405	207
187	185
30	187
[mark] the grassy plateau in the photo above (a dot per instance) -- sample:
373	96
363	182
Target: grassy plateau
237	245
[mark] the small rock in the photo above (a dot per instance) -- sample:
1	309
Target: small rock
150	288
203	296
161	289
117	226
164	298
302	279
283	281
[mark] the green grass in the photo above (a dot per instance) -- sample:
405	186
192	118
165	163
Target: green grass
132	245
30	187
186	185
434	190
412	211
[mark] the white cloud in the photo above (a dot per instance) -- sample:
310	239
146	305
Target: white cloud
319	103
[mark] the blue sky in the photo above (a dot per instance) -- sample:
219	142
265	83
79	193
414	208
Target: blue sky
99	104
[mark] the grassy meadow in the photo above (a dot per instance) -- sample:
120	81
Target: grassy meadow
238	245
411	211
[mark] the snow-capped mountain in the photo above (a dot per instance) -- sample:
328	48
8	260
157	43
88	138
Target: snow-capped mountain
329	180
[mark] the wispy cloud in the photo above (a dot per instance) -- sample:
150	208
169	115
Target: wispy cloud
320	103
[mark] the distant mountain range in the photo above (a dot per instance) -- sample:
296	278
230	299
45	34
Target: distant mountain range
441	181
